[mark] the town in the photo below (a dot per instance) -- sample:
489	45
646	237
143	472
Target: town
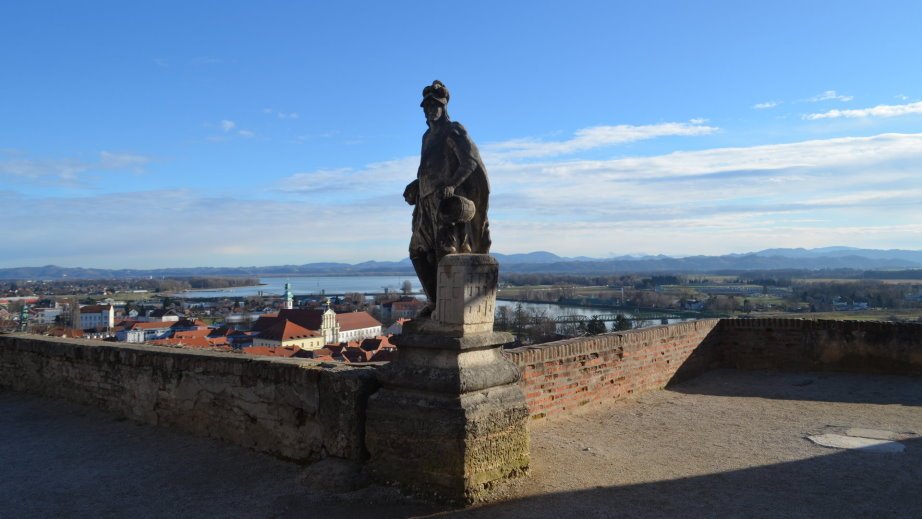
357	327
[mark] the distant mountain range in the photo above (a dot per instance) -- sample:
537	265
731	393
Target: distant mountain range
533	262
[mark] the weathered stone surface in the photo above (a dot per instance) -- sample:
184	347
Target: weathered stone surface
449	371
466	294
452	446
451	419
294	409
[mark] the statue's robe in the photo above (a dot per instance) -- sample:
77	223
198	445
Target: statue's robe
449	158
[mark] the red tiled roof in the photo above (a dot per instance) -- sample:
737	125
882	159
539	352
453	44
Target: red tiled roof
310	319
94	309
356	321
284	330
334	348
376	343
356	355
263	322
188	334
65	332
322	352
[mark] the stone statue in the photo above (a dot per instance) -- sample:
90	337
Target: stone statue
450	194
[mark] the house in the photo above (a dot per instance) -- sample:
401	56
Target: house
93	317
404	308
357	326
160	315
46	315
334	327
137	332
284	334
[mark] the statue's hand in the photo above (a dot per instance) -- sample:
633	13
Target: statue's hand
448	191
411	193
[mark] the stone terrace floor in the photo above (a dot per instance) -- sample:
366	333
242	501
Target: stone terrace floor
726	444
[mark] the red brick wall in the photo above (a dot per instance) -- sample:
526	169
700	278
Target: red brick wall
560	376
820	345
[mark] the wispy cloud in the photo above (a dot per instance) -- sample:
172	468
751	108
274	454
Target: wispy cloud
766	105
374	178
162	62
829	95
592	138
877	111
70	171
229	130
281	114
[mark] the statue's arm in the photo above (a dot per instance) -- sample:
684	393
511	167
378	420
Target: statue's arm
411	193
461	145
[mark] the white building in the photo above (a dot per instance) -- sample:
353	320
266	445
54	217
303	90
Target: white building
97	316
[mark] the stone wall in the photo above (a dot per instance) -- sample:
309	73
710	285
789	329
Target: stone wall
560	376
298	409
818	345
303	409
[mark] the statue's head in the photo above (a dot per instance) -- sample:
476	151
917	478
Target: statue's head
435	97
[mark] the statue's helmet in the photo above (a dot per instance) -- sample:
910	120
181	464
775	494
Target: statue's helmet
437	92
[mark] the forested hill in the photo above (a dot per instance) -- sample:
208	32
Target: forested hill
534	262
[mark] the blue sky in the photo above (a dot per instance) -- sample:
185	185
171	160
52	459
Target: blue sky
244	133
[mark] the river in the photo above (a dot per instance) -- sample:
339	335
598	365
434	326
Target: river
310	285
315	285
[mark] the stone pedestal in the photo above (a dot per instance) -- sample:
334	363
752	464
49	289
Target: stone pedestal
450	418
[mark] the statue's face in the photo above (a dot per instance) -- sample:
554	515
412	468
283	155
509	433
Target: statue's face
433	112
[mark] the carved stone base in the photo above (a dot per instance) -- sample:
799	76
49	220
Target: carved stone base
453	446
450	418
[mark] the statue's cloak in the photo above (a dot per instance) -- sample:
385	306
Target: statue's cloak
450	158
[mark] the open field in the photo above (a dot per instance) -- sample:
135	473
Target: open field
857	280
884	314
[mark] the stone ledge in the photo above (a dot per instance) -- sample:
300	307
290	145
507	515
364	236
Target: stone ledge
473	341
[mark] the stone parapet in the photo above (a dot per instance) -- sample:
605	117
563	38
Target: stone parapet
297	409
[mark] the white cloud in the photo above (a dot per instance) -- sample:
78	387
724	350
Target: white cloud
289	115
70	171
830	95
591	138
860	191
901	97
246	133
766	104
227	125
380	177
877	111
162	63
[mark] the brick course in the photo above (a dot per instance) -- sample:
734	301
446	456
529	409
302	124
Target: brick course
560	376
